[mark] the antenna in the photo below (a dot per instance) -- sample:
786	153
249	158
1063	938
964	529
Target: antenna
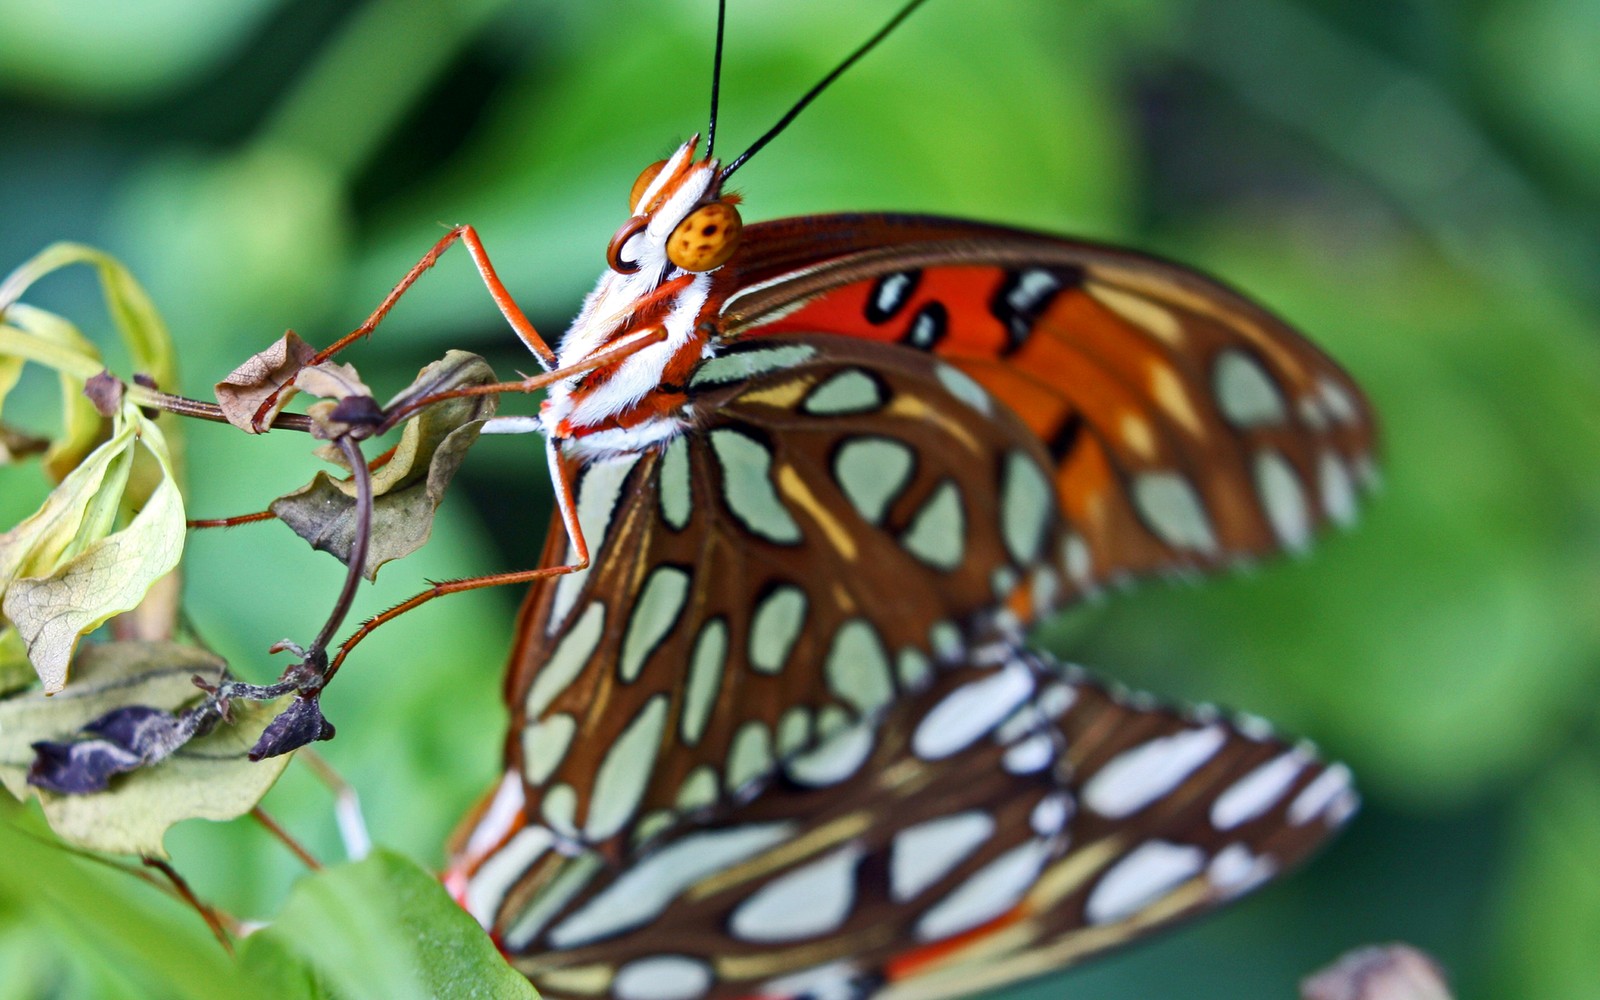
821	85
716	78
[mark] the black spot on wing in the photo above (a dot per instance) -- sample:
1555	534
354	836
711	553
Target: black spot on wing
1024	295
928	327
1065	440
890	294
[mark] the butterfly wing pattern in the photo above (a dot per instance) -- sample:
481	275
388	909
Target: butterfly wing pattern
1008	818
1190	429
829	528
782	736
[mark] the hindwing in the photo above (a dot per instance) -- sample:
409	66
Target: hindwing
1008	818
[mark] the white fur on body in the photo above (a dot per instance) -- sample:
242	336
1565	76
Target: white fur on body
607	310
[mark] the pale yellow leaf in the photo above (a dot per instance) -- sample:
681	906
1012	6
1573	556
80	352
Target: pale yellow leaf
110	575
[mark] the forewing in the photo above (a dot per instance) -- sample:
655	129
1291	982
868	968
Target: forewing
1188	428
838	517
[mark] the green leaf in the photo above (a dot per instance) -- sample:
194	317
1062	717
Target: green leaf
10	372
379	929
53	533
107	928
410	487
209	778
82	427
130	307
65	573
15	670
1551	917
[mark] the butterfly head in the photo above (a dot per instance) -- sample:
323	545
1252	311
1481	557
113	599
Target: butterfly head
681	219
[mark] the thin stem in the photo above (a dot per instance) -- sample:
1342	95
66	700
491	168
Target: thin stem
210	916
183	406
275	828
230	522
358	548
267	515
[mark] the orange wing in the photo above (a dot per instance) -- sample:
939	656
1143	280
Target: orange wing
1190	429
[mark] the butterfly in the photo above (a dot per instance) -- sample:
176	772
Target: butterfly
775	730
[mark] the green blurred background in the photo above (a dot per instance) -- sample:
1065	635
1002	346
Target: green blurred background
1417	184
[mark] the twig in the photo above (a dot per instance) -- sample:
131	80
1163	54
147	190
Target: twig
183	406
358	547
212	918
275	828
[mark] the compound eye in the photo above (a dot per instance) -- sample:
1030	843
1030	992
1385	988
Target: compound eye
643	182
707	238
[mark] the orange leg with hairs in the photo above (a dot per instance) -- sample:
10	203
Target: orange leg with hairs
497	291
561	477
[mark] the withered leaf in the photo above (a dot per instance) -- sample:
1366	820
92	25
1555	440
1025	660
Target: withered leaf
346	405
82	429
331	380
299	724
127	738
65	571
105	391
81	767
244	390
410	487
208	777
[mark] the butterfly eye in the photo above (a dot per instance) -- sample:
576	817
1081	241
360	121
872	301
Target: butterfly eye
707	238
644	181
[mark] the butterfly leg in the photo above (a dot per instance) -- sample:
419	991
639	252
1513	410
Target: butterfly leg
491	280
561	477
267	515
625	347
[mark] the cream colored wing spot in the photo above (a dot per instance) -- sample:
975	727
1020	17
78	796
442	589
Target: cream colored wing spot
1138	777
1140	878
937	534
1172	509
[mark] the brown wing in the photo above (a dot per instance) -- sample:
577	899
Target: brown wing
837	517
1188	428
1008	818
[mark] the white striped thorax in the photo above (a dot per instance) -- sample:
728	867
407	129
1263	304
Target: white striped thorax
585	409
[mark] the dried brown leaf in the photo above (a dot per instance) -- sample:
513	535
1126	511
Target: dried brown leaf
331	380
244	390
105	391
